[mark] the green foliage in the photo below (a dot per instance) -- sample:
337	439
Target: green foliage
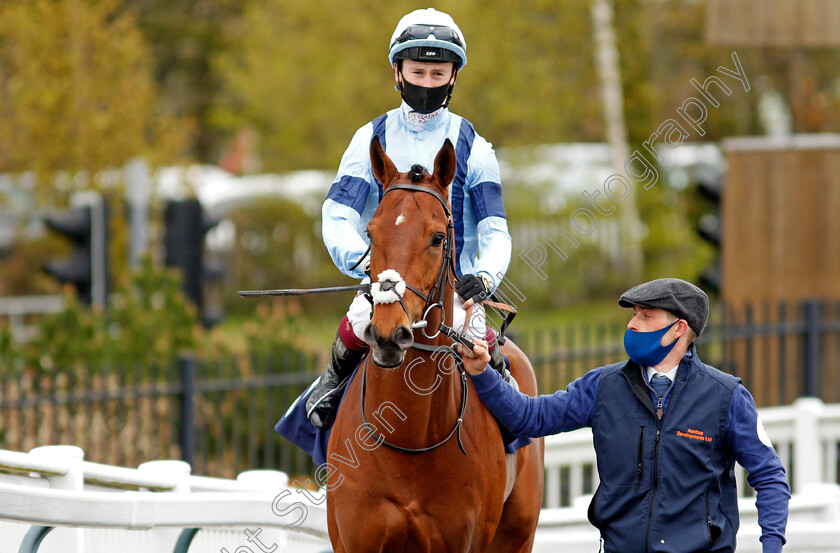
76	90
306	80
582	275
148	321
21	270
671	246
531	74
302	77
278	245
87	84
183	38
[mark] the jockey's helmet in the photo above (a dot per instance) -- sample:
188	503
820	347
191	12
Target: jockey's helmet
428	35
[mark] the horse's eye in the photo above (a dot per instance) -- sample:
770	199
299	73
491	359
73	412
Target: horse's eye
437	239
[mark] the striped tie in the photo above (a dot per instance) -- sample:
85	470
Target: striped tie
660	383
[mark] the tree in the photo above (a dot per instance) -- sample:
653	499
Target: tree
183	37
305	79
76	90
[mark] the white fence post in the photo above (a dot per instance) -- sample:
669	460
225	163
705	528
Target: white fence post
261	481
807	448
72	539
163	539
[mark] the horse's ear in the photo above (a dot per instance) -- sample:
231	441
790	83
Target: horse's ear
445	164
383	168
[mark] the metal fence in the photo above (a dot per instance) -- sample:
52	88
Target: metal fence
219	415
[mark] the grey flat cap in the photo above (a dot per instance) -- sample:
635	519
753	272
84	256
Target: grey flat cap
681	298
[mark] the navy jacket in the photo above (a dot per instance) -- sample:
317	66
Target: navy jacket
667	485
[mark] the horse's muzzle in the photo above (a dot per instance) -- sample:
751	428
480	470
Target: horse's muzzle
388	352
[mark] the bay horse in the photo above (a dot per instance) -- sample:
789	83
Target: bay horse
422	466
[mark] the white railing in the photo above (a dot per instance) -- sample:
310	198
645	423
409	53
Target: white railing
107	508
806	436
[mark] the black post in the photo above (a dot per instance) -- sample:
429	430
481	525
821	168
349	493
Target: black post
811	312
186	428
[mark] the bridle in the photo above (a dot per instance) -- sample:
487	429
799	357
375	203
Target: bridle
434	299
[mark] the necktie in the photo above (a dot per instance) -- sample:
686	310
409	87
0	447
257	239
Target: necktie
660	383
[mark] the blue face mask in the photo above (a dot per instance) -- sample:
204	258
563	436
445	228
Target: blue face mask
645	348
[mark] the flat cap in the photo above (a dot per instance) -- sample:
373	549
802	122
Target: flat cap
681	298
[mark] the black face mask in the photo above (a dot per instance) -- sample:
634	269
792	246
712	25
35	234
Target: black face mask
425	100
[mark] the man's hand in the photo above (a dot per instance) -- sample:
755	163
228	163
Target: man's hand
473	288
475	361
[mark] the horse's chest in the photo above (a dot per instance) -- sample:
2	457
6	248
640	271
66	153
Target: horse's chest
402	527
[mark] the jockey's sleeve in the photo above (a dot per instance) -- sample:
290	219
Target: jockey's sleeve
494	247
342	226
562	411
485	190
345	245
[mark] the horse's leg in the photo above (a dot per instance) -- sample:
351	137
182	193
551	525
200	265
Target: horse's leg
515	533
335	536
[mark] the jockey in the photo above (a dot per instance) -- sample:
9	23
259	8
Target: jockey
427	51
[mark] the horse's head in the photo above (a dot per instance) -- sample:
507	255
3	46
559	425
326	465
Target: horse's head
410	239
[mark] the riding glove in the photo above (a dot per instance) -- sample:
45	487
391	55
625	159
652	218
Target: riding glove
475	287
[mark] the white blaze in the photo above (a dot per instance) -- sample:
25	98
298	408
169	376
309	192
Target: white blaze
400	219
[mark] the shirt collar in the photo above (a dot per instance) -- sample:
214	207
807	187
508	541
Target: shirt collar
650	371
419	122
672	374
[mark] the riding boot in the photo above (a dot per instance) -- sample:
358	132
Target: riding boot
500	363
324	399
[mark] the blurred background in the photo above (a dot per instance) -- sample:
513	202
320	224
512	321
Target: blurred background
157	156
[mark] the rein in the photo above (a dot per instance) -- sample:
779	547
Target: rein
456	430
430	301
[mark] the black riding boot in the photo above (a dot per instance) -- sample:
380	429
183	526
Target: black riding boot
497	361
323	401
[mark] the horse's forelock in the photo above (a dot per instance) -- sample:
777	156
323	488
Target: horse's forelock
418	172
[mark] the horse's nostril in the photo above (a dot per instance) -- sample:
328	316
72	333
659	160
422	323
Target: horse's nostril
371	335
403	337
